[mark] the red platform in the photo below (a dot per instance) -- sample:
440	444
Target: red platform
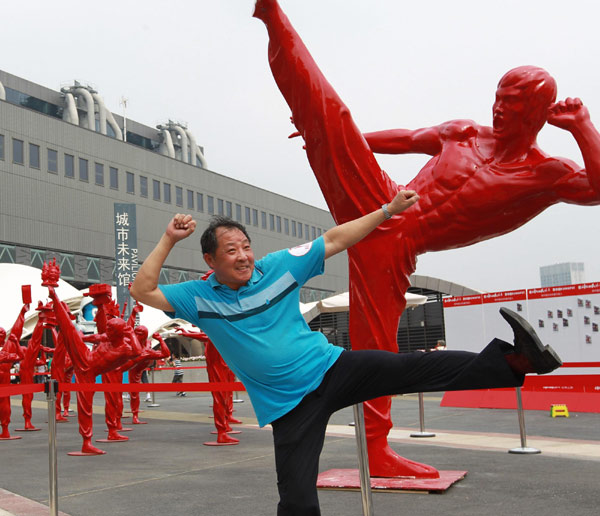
348	479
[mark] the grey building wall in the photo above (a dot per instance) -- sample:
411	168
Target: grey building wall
49	211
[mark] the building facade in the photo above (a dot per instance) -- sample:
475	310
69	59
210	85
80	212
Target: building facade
65	160
569	273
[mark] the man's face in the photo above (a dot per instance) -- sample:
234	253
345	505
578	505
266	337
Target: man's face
509	111
233	261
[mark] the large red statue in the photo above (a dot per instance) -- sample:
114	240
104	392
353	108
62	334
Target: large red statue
114	347
480	183
10	353
137	366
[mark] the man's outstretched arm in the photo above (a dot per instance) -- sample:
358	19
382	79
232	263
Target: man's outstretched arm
342	237
145	287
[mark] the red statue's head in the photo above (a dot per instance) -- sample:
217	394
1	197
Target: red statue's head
523	97
115	328
141	332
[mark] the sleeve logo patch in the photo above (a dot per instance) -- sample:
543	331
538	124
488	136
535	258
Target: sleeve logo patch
300	250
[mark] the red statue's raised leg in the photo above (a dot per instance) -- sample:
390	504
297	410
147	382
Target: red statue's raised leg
353	185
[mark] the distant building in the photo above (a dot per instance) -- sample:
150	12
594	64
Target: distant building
569	273
65	159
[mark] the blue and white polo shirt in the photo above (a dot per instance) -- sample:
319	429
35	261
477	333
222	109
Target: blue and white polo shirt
259	329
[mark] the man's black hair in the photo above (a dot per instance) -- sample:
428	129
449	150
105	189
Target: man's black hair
208	240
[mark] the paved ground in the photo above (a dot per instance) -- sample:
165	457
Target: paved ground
165	469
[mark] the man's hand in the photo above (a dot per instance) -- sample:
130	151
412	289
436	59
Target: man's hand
567	113
181	226
404	199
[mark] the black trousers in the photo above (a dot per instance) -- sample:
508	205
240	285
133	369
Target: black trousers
359	376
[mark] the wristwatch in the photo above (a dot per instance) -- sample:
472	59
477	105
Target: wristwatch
386	213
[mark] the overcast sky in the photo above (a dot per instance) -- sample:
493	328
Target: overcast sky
394	63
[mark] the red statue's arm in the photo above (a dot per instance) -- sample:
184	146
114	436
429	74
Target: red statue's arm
137	308
17	328
404	141
571	115
164	349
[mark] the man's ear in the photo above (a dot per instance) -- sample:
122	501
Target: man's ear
209	259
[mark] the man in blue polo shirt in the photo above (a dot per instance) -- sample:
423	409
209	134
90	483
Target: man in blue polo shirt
294	377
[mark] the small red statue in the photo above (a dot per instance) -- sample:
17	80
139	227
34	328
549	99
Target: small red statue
10	353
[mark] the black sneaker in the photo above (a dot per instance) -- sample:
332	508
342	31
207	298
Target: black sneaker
542	359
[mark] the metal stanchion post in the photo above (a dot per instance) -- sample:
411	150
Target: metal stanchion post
524	448
363	460
422	433
235	395
51	389
153	404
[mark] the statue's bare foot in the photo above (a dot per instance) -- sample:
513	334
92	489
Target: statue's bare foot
113	435
385	462
224	438
89	449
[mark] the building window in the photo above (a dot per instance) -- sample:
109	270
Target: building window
167	193
114	178
190	199
52	161
299	229
286	226
83	170
199	201
130	182
1	146
7	253
67	266
293	228
93	269
143	186
238	212
210	201
271	222
229	209
179	196
37	258
254	217
263	220
247	220
69	165
156	190
220	207
34	155
319	231
278	224
99	174
18	152
306	232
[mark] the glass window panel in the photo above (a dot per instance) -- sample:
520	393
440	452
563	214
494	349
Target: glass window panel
271	222
199	201
278	224
179	196
220	207
306	231
143	186
229	209
18	152
69	165
52	161
299	229
254	217
293	228
83	170
34	155
190	199
93	269
1	146
263	220
248	220
156	190
114	178
130	182
286	226
7	253
210	200
167	193
238	212
99	174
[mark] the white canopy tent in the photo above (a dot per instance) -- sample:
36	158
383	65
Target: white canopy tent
341	303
